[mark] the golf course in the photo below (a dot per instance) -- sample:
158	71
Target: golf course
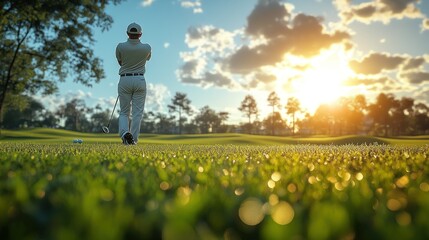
44	135
214	186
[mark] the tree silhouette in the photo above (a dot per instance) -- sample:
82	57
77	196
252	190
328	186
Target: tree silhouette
249	107
273	101
207	119
421	118
274	122
381	111
180	104
292	107
402	113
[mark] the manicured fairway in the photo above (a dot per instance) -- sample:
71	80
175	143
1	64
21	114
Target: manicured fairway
230	191
42	135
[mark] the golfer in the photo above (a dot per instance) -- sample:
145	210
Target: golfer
132	56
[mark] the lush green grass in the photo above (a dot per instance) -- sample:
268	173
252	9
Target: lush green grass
64	136
185	191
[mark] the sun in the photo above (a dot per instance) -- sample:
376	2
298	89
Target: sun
322	82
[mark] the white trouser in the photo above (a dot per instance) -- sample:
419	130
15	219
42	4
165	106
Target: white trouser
132	95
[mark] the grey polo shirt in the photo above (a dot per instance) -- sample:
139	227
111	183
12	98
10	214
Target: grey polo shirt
133	56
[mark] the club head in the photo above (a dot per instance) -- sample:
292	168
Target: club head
105	129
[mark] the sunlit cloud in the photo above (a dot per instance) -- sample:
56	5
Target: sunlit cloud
245	58
301	55
380	11
415	76
367	81
195	5
375	63
147	3
425	24
302	35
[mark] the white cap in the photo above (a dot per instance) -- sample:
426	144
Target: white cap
134	28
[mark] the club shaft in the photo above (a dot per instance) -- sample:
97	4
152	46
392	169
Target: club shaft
113	111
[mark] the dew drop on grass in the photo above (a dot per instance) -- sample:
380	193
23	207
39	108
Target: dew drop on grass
291	188
251	212
359	176
403	218
310	167
312	180
393	204
164	185
276	176
271	184
239	191
282	213
402	181
424	186
273	199
106	194
339	186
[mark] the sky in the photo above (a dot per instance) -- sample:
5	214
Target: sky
219	51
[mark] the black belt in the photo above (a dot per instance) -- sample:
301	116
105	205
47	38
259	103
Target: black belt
132	74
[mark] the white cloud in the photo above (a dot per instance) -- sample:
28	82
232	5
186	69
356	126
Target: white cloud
147	3
156	97
195	5
209	45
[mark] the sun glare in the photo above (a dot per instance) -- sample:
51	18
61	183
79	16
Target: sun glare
322	82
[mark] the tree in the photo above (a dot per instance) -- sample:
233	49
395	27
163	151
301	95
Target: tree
358	106
421	118
402	113
273	101
44	41
29	114
148	122
164	124
180	104
292	107
74	114
323	119
249	107
274	123
381	111
223	116
207	120
99	119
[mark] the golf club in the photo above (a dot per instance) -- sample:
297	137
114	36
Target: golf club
106	128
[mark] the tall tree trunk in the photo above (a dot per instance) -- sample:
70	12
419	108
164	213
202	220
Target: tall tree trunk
272	123
293	123
180	121
8	79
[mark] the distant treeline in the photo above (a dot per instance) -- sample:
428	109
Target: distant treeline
386	116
